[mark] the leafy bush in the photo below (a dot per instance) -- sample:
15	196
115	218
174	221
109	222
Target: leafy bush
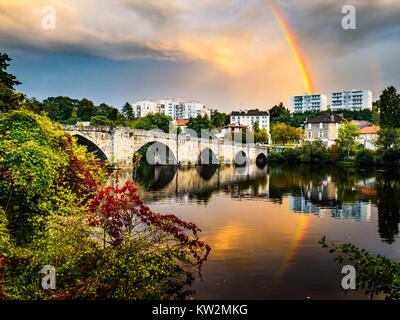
99	121
314	152
275	157
365	157
104	243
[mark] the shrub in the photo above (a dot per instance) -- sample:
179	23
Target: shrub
99	121
314	152
365	157
104	243
275	156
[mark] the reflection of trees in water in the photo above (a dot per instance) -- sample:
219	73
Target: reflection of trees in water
201	197
384	192
388	204
347	187
292	179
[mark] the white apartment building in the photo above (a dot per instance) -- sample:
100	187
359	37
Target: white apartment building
352	100
313	102
175	108
248	118
143	107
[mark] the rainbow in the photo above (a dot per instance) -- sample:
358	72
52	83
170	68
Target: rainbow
291	39
303	226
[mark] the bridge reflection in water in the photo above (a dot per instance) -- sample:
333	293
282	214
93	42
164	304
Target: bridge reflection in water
264	223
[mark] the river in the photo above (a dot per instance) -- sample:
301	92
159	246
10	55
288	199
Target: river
264	224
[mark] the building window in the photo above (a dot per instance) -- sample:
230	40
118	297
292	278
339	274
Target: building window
309	134
309	126
321	125
320	134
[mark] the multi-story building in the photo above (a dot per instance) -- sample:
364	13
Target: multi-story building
313	102
352	100
175	108
323	127
248	118
143	107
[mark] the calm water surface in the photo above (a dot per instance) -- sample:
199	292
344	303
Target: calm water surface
263	224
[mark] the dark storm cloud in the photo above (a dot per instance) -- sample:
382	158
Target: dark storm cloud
320	23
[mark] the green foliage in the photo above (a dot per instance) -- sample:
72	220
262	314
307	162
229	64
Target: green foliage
389	108
220	119
281	132
99	121
127	111
9	100
47	188
315	152
35	154
6	78
277	110
199	123
153	121
347	136
388	138
365	158
376	275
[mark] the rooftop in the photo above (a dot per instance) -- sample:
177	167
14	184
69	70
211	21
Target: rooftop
181	122
326	118
235	126
370	130
250	113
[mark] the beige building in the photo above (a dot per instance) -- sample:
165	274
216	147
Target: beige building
323	127
369	136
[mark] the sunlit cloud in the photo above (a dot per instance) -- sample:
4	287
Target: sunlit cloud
240	43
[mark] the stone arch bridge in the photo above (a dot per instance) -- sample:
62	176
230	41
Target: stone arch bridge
120	144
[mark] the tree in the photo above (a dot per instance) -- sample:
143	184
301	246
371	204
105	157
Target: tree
200	123
220	119
261	136
86	110
6	78
99	121
347	136
127	111
281	132
277	110
153	121
9	99
389	108
388	138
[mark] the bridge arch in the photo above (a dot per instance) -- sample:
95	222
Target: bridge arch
241	159
207	157
91	147
261	160
157	153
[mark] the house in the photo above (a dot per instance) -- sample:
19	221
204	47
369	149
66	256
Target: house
182	123
323	127
231	128
369	136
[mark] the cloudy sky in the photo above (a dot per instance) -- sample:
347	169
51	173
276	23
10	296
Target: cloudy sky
227	54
